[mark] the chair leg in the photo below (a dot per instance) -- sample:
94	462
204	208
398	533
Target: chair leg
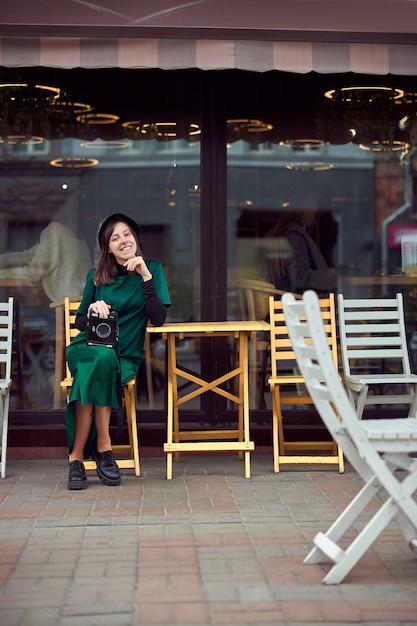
4	417
281	440
341	458
276	425
361	401
130	402
413	407
261	381
341	524
362	543
408	530
402	510
148	369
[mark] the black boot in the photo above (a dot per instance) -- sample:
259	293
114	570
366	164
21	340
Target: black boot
77	478
107	469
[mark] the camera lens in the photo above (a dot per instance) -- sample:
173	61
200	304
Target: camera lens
103	330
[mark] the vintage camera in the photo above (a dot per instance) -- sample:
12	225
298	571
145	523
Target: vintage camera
102	331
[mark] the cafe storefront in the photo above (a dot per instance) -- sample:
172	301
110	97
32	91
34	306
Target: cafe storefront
202	122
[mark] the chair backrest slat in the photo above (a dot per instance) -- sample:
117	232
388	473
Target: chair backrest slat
282	352
357	329
371	331
6	337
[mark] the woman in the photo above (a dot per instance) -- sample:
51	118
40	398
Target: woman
137	290
294	261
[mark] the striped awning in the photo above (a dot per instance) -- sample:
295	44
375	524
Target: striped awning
209	54
325	36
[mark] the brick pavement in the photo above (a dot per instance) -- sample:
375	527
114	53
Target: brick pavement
208	547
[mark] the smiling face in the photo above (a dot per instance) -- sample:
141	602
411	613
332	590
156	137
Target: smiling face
122	243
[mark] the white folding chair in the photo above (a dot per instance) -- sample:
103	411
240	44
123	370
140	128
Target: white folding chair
6	350
374	353
376	448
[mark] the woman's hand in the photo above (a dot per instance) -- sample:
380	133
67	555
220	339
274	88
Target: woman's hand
100	307
137	264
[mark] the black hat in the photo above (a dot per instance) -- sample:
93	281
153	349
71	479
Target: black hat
118	217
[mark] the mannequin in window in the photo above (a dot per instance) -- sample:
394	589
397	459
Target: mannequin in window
59	261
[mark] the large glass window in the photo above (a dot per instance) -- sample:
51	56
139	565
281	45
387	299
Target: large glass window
206	162
345	153
75	149
267	180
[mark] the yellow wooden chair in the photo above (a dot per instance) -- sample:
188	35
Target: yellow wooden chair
287	388
253	295
130	450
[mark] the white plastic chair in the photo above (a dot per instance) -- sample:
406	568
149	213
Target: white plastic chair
374	353
6	349
376	448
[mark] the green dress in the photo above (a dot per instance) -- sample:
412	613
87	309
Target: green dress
95	368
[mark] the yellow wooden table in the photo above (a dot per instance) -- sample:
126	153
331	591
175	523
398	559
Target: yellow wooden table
208	440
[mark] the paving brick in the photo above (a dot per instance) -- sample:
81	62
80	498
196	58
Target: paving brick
208	547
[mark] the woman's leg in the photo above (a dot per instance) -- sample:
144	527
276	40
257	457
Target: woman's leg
83	421
102	417
107	468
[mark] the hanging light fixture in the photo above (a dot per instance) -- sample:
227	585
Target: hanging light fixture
100	144
364	93
74	108
372	111
249	125
161	131
303	143
19	91
26	108
308	166
385	146
74	162
245	129
22	140
97	119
